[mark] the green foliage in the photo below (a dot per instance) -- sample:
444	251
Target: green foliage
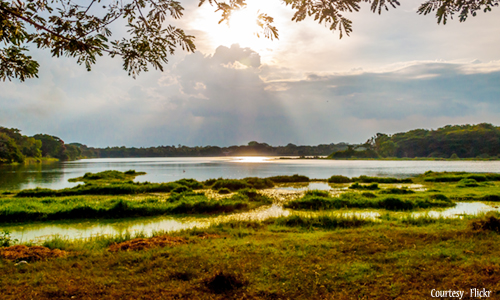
323	221
88	207
285	179
102	189
237	184
353	152
339	179
458	176
355	200
230	184
224	191
191	183
70	29
490	222
459	141
368	179
401	191
252	195
317	193
108	176
467	182
358	186
6	240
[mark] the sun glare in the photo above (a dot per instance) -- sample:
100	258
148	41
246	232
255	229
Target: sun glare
241	28
251	159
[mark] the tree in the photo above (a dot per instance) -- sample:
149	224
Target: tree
84	31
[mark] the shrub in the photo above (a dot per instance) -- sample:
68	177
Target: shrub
224	191
317	193
339	179
259	183
368	179
392	203
293	178
467	182
230	184
488	223
401	191
358	186
192	183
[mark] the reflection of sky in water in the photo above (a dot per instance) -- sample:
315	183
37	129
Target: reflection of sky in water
306	186
39	232
462	208
167	169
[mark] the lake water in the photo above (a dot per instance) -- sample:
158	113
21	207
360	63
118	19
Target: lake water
56	175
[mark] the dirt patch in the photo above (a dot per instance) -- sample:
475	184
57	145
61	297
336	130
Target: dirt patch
157	241
34	253
489	222
222	282
141	243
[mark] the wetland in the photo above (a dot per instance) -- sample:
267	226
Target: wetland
277	237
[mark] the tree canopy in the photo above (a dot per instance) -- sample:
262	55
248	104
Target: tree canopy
82	29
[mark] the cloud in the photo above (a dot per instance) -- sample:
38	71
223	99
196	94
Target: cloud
230	97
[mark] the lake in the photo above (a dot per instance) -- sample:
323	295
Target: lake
165	169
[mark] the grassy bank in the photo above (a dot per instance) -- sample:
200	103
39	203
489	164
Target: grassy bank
321	200
96	207
285	258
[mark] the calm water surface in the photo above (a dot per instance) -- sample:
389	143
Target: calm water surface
56	175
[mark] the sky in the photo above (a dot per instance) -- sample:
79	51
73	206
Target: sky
396	72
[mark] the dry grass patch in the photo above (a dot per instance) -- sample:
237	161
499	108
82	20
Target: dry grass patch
33	253
156	242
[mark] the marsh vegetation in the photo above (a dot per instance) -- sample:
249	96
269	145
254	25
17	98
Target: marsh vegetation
319	250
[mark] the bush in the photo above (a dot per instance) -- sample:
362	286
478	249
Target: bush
317	193
467	182
368	179
224	191
339	179
488	223
259	183
368	195
358	186
253	195
230	184
392	203
400	191
192	183
285	179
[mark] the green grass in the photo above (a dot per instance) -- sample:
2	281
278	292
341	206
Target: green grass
356	200
87	207
237	184
333	257
108	176
286	179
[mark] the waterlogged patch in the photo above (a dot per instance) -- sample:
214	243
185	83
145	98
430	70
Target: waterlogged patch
34	253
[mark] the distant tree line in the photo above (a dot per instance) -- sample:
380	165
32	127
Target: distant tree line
16	147
253	148
459	141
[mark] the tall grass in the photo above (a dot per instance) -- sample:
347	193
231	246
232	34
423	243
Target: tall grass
355	200
66	208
